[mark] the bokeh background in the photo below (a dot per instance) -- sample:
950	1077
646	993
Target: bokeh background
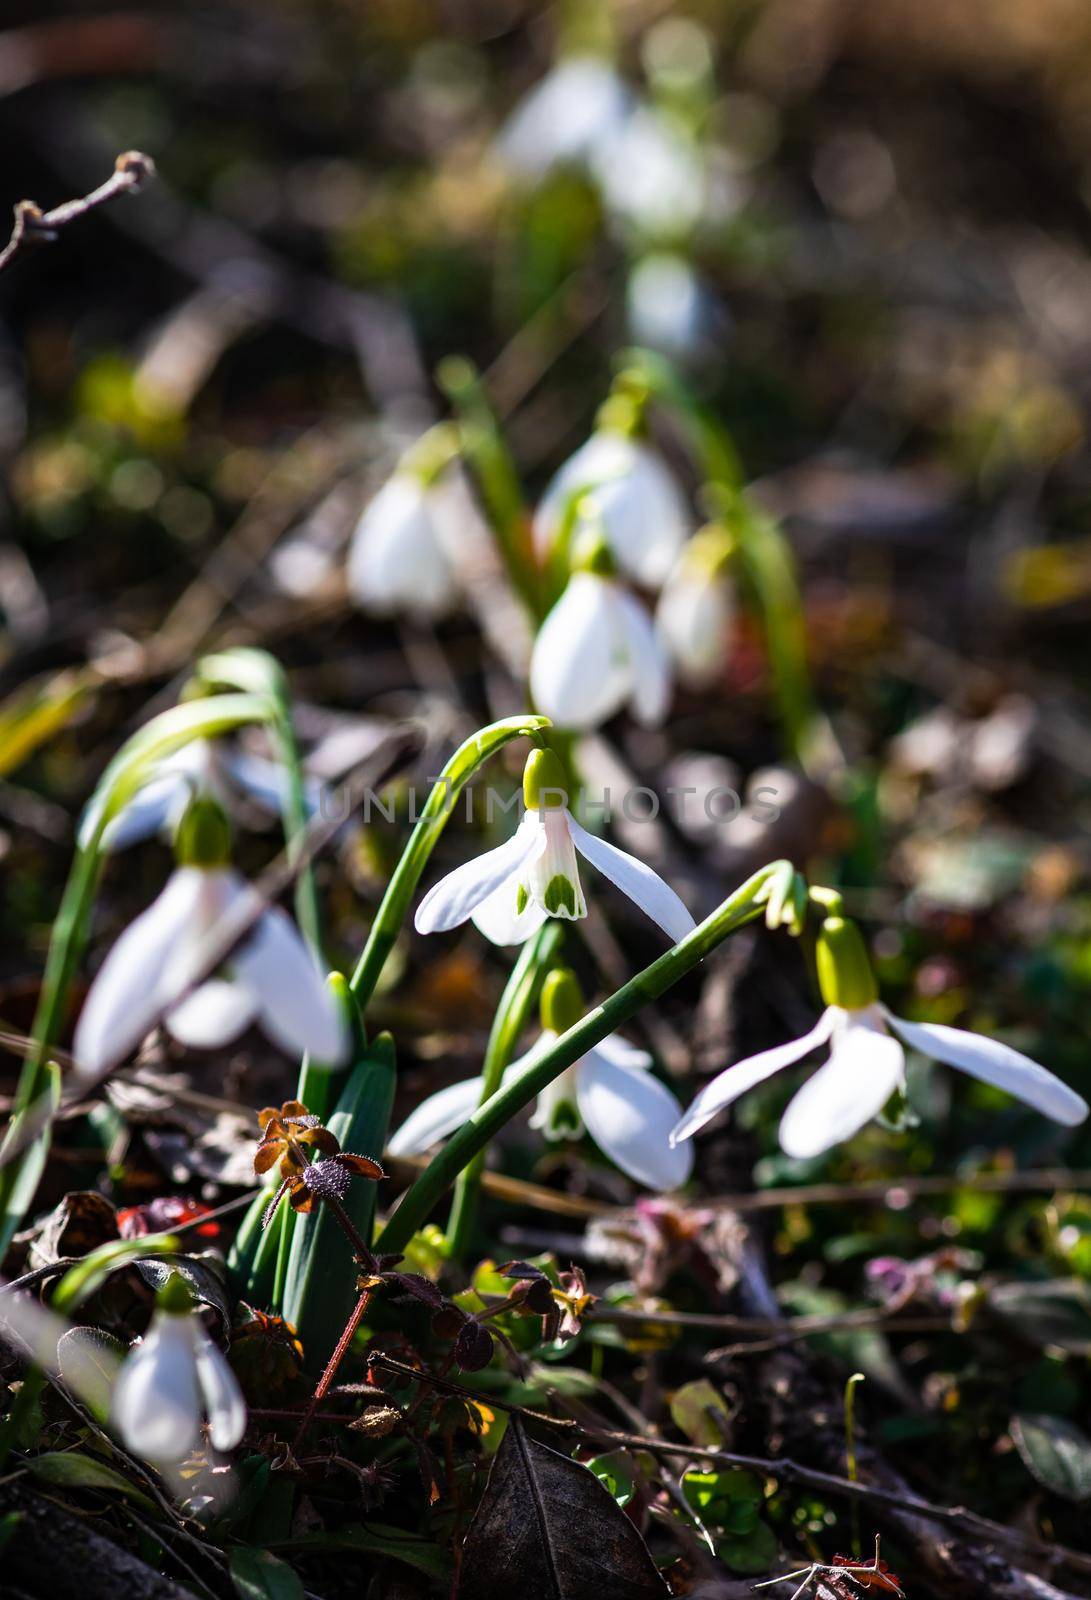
862	230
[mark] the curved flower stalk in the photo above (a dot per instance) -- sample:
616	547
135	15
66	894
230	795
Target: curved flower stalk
271	978
608	1093
402	556
509	892
573	112
597	649
696	612
633	495
174	1380
866	1063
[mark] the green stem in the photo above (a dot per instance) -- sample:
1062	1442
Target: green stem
485	450
850	1453
516	1004
422	841
743	906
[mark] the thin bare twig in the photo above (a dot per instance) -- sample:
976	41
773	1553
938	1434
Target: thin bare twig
779	1467
33	226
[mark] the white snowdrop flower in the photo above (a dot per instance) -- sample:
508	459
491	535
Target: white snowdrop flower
175	1379
695	616
576	109
609	1093
270	978
598	651
509	892
633	495
204	766
402	556
652	176
866	1062
667	305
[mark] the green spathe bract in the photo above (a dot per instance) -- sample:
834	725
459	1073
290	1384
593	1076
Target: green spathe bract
845	977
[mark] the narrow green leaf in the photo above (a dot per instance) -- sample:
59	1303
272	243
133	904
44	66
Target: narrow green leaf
71	1469
260	1575
1055	1452
320	1284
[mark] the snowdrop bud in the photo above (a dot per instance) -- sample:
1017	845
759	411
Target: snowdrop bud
845	977
562	1002
204	834
545	782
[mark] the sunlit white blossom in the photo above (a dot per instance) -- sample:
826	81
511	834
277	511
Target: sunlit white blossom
510	891
271	978
866	1064
596	652
402	556
175	1379
632	495
695	615
609	1093
204	766
652	175
573	112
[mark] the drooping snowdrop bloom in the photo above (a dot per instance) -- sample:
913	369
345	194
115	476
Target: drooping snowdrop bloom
866	1062
402	556
270	977
204	766
577	109
633	494
667	305
597	650
510	891
175	1379
609	1093
696	611
652	175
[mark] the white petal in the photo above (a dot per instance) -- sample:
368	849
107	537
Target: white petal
727	1086
296	1008
994	1063
645	516
629	1114
579	103
695	619
151	811
441	1114
651	677
451	900
643	886
156	1404
580	669
133	984
396	560
222	1396
623	1054
866	1065
267	782
497	917
214	1014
